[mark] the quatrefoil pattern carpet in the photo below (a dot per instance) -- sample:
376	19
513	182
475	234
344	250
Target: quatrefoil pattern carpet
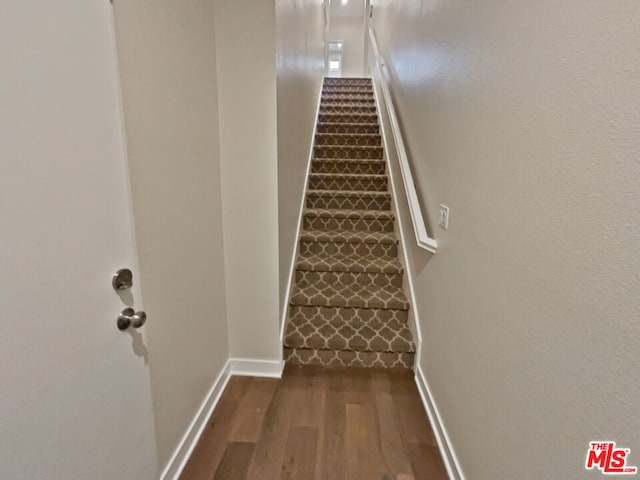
348	306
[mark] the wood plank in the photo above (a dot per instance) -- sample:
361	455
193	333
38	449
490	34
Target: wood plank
404	476
250	412
235	461
380	381
213	441
307	386
300	454
426	462
357	385
331	460
364	459
270	447
403	382
413	420
391	444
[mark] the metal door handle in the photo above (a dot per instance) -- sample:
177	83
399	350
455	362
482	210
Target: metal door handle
130	318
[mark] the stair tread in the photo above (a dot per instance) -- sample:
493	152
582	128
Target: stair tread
350	160
351	295
348	101
346	79
340	334
348	236
362	101
352	147
349	193
348	213
353	114
348	124
324	134
352	175
348	262
368	89
347	108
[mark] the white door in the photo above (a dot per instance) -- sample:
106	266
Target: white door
75	400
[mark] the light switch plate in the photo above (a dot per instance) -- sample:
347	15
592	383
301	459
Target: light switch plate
444	217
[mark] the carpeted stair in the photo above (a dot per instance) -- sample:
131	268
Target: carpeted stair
347	306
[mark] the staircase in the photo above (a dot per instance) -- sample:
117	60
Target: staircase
347	306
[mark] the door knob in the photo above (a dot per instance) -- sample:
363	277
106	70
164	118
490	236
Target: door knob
130	318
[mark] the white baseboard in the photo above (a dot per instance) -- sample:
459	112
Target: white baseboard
256	368
449	457
190	439
234	366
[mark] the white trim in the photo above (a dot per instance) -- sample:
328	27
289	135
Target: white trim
405	253
234	366
422	237
189	440
256	368
285	306
451	462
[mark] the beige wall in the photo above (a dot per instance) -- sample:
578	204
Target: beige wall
168	71
351	31
523	118
300	68
245	43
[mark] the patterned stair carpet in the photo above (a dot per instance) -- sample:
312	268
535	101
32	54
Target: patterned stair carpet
347	306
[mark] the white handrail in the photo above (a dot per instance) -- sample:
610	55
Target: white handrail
422	237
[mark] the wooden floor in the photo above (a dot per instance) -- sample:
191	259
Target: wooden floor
323	424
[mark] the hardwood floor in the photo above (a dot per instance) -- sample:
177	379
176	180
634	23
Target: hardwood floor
322	424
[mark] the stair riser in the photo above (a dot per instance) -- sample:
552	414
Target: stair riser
362	153
363	225
348	203
347	90
341	128
364	118
346	81
373	317
345	358
346	248
333	140
350	109
354	336
382	280
367	96
354	343
350	168
376	184
329	100
347	100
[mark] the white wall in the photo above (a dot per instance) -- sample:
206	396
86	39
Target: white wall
300	67
245	52
168	72
351	31
523	118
